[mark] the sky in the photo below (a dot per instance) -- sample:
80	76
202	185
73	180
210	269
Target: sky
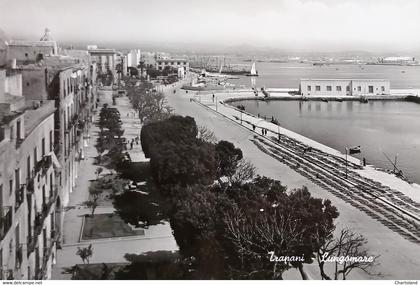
310	25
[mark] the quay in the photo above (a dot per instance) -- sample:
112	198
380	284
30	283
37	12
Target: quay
369	201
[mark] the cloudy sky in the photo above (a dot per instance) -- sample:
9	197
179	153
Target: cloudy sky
287	24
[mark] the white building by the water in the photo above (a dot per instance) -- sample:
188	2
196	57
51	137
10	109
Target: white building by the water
344	87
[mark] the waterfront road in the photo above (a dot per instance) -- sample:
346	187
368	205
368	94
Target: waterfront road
398	256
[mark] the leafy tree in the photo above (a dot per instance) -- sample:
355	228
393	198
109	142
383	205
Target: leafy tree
162	265
178	129
182	163
206	135
133	71
95	190
138	209
85	253
98	172
227	157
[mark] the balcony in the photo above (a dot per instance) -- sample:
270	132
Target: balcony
40	220
20	196
47	254
30	185
43	165
5	221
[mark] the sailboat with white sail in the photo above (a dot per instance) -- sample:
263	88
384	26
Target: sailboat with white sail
254	71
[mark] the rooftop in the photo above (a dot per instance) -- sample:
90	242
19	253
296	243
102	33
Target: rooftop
37	111
171	59
102	50
31	43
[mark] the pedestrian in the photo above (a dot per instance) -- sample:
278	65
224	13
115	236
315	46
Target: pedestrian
131	145
364	161
262	131
213	98
253	127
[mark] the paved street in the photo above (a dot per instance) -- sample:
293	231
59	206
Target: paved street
393	248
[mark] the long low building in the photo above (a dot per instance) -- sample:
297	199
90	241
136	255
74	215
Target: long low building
344	87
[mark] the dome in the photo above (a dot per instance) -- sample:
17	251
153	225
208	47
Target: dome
47	36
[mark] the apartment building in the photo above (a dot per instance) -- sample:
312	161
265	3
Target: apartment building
28	188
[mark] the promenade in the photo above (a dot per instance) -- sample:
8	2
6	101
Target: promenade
110	250
392	246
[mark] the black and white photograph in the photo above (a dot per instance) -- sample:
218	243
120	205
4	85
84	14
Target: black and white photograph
211	140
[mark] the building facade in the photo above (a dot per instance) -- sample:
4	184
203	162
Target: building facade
28	188
181	65
133	58
344	87
105	59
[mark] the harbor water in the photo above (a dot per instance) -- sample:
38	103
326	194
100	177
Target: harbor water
385	130
288	75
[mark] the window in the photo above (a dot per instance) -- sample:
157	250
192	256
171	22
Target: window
28	167
43	147
35	155
348	88
51	141
51	186
318	88
329	88
17	178
12	131
11	186
44	196
359	88
370	89
338	88
309	88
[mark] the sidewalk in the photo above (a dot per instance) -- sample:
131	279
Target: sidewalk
110	250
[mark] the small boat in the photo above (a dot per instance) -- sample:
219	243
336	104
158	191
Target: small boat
254	71
339	99
324	100
363	100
